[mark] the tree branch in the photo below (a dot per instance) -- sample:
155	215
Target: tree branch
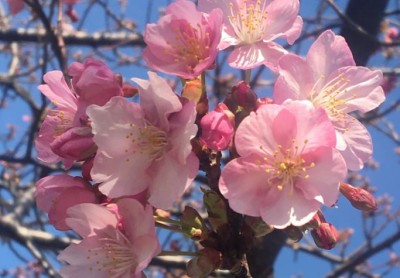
79	38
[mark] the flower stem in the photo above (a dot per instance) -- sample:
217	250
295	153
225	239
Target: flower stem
178	253
166	220
248	76
203	83
169	227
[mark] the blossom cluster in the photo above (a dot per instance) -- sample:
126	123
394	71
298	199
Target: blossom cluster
289	154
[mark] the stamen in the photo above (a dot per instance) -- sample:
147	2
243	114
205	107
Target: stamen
249	21
148	140
285	167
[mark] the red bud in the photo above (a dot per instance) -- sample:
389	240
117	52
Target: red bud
359	198
325	236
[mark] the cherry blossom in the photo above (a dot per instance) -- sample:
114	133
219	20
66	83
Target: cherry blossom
65	134
217	128
251	26
57	120
55	194
145	147
288	165
184	41
94	82
329	78
117	242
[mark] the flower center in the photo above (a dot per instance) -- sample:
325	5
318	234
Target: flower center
249	20
148	140
333	98
285	167
113	257
190	46
63	122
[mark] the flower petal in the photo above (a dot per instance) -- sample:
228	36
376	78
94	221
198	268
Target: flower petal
158	100
329	53
113	123
323	180
252	55
290	208
281	17
255	131
295	79
359	144
56	89
88	219
244	183
357	87
171	179
121	176
314	128
182	130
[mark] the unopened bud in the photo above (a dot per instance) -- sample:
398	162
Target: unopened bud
72	14
76	144
193	91
325	236
129	90
244	96
221	107
359	198
217	130
241	101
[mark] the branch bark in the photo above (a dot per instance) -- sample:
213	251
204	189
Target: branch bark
79	38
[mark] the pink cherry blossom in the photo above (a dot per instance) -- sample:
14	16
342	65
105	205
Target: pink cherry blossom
329	78
116	243
145	147
65	134
57	120
288	165
55	194
184	41
217	128
94	82
251	26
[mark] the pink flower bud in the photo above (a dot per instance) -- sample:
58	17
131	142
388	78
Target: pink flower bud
72	14
217	130
221	107
75	144
94	82
241	97
193	91
392	33
359	198
325	236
